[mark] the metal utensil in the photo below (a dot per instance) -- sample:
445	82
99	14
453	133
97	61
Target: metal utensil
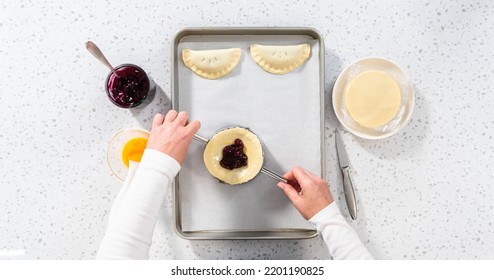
96	52
269	173
351	202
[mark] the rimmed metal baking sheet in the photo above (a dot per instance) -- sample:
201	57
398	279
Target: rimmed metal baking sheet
285	111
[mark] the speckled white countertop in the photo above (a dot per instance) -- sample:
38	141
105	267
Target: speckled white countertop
425	193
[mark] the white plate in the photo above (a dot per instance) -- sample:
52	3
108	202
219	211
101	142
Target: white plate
407	98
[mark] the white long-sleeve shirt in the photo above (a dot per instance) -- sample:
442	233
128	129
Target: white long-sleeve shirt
136	209
342	240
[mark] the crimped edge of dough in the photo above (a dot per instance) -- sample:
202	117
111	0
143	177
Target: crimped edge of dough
261	61
220	73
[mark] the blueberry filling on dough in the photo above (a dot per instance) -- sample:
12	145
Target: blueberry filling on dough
234	156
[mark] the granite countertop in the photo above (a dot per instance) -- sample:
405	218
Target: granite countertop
424	193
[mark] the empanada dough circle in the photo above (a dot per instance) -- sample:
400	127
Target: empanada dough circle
211	64
252	148
280	59
373	98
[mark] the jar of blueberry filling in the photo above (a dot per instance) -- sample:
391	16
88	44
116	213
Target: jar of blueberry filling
128	86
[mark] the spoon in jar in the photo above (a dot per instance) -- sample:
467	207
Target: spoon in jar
96	52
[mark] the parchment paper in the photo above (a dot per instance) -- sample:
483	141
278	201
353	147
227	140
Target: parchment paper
284	112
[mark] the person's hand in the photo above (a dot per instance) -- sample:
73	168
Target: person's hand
171	134
313	196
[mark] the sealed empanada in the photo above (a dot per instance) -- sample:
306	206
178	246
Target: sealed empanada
280	59
211	64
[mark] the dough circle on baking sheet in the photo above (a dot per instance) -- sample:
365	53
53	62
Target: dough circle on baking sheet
213	154
373	98
211	64
280	59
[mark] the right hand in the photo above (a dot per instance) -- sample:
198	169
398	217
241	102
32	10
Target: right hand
172	134
314	195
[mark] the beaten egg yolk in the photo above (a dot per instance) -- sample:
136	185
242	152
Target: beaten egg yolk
133	150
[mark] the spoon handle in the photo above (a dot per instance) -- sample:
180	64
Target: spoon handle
280	178
273	175
96	52
200	139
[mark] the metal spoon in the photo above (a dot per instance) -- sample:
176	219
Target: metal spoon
96	52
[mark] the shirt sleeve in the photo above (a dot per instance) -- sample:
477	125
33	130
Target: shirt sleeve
342	240
132	223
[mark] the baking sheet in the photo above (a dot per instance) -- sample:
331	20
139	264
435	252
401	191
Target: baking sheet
283	110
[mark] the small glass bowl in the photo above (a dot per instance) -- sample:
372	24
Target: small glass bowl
407	98
115	147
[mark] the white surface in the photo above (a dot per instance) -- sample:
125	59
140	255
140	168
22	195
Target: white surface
424	193
253	98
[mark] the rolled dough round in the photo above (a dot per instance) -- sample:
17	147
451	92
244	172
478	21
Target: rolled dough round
373	98
252	148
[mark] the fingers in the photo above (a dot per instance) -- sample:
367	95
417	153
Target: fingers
182	118
300	175
193	127
158	120
289	175
170	116
290	192
294	172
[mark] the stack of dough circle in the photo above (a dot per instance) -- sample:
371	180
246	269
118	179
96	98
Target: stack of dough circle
213	154
373	98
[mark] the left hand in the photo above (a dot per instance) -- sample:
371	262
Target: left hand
172	134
